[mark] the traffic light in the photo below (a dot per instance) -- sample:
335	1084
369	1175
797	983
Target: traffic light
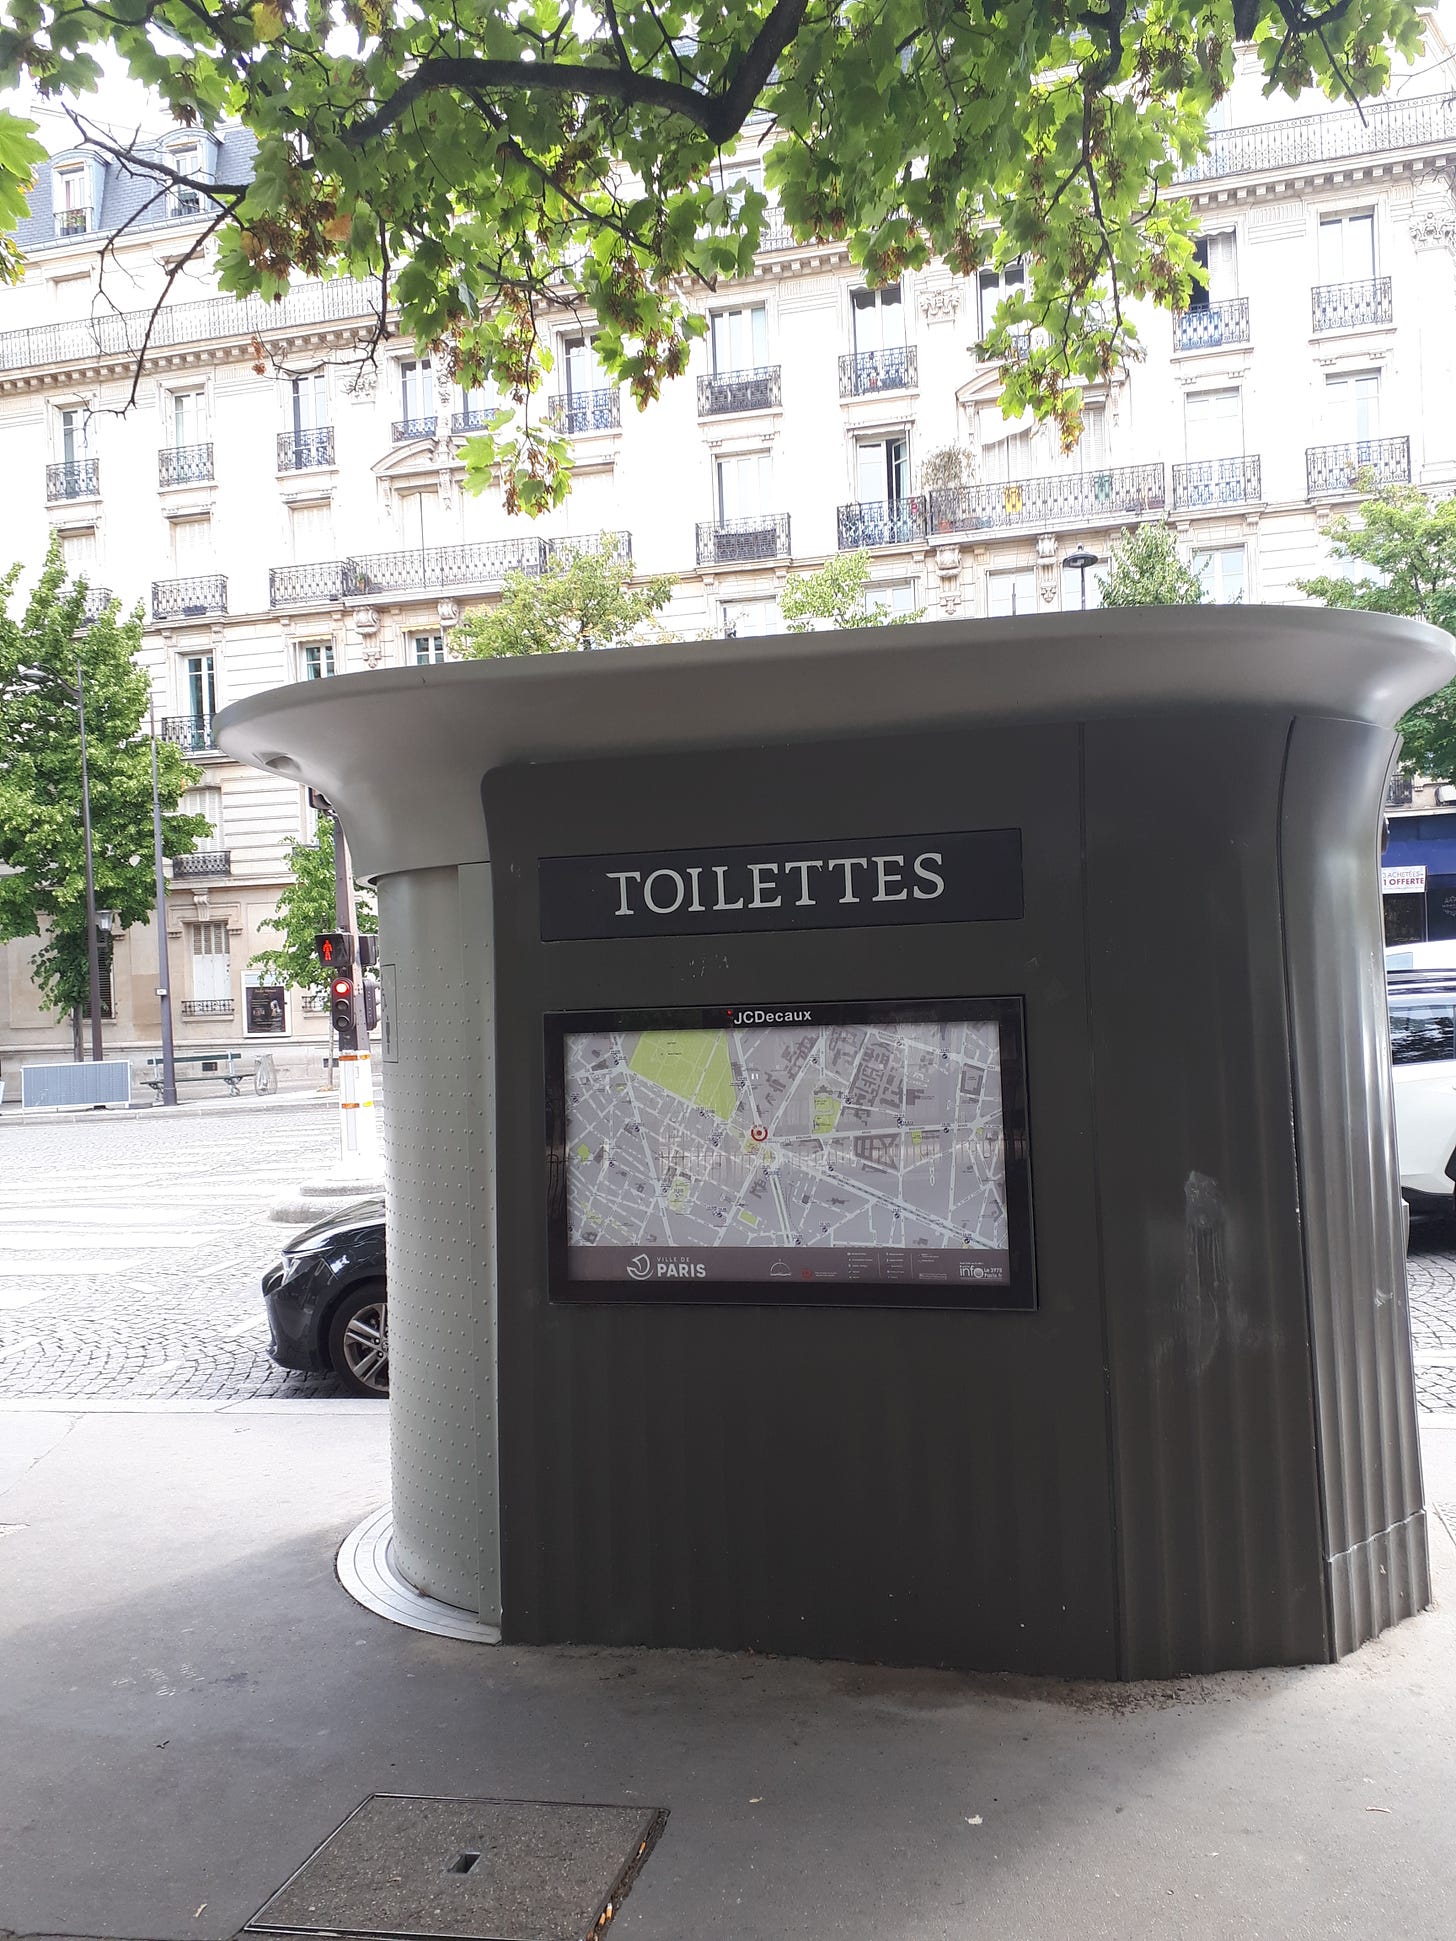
370	994
341	1010
368	950
335	950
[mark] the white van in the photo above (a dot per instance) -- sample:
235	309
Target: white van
1421	991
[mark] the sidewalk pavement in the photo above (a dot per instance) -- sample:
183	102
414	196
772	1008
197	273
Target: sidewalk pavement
15	1114
190	1704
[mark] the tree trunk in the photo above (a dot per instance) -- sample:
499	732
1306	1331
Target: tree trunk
76	1051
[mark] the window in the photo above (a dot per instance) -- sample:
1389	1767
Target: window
192	546
1347	248
189	418
740	339
1216	256
1214	423
1072	586
1222	574
71	196
200	685
1010	593
583	373
745	172
897	598
416	389
428	648
420	517
1005	446
308	403
1092	445
1352	407
78	551
993	285
212	980
186	159
744	486
882	470
315	659
206	802
879	319
73	434
311	528
749	619
1422	1030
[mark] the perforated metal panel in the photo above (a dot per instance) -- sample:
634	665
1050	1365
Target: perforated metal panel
107	1082
437	1202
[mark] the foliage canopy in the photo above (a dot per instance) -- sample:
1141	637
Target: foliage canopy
581	600
306	909
1411	544
492	158
837	594
1145	570
41	835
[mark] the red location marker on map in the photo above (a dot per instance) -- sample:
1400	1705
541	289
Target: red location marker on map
758	1133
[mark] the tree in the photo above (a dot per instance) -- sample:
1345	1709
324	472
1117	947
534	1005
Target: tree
839	594
1411	544
581	600
494	161
41	833
306	909
1145	571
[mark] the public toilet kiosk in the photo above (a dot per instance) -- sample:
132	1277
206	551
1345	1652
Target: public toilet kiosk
888	1135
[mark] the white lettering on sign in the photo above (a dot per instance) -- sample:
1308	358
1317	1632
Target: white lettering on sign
1403	877
769	885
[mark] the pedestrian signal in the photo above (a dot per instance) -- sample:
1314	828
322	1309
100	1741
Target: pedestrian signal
335	950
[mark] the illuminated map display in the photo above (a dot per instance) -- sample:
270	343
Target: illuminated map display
806	1148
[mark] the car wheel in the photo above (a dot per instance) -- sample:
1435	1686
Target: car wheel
359	1340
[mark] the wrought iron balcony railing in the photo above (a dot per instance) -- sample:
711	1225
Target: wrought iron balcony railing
464	422
404	429
98	599
202	862
184	464
1074	498
1345	306
723	542
124	333
1400	792
322	582
578	411
207	1007
1217	481
1364	464
617	545
315	584
893	522
1324	138
203	593
1213	325
864	372
302	451
191	732
724	391
73	222
78	478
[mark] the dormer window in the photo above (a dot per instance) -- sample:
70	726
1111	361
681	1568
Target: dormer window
71	195
182	199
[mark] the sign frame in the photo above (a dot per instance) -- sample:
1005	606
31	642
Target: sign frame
1016	1295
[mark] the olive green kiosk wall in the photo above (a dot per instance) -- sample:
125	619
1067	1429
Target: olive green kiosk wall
1042	959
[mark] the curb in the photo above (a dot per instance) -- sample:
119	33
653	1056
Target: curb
194	1109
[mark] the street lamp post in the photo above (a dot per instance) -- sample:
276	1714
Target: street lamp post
42	677
1080	560
164	979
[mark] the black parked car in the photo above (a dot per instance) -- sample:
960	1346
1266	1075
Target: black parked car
326	1300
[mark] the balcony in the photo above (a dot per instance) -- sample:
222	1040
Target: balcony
1075	498
1303	139
320	583
207	1007
430	568
1348	306
577	411
184	464
1361	466
98	599
73	222
462	423
1212	325
202	862
865	372
79	478
403	429
720	392
726	542
617	545
203	593
895	522
1216	481
303	451
190	732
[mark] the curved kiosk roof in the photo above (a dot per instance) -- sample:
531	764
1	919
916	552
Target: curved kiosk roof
889	1148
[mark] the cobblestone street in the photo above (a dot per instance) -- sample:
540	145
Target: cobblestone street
132	1245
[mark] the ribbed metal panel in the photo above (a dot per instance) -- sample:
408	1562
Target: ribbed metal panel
1217	1492
901	1484
1377	1561
105	1081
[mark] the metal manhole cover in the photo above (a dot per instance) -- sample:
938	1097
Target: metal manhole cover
408	1869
